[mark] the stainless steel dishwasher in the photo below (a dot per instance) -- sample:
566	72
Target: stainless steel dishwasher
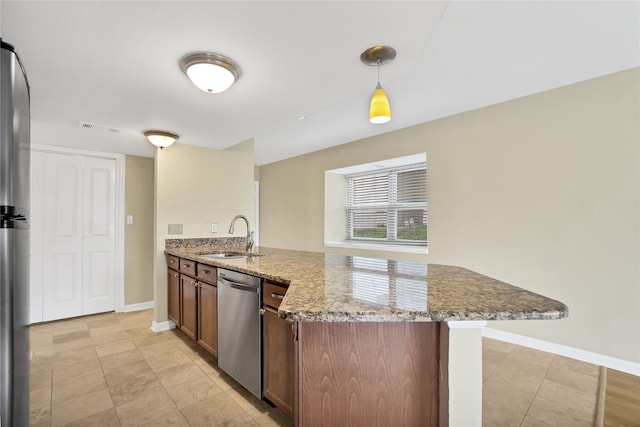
240	328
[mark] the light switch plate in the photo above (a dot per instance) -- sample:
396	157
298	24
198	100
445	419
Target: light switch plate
175	229
214	228
129	219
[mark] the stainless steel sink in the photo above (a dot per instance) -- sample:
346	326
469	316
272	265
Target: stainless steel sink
224	255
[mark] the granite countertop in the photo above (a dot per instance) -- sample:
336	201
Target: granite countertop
338	288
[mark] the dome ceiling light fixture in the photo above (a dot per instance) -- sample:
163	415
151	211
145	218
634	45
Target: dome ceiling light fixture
210	72
379	110
160	138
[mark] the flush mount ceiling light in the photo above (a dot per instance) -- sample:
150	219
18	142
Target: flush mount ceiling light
211	72
379	110
160	138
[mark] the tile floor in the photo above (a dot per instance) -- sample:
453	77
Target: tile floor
111	370
526	387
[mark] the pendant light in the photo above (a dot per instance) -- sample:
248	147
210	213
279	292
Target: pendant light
379	109
160	138
210	72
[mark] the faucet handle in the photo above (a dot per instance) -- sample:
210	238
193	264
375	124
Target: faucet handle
250	241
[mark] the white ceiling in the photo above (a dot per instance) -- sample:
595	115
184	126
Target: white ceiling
115	63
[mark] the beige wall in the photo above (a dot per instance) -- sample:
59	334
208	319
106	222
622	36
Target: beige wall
542	192
196	187
138	237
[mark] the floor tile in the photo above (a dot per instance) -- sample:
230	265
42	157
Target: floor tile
160	348
66	357
222	379
211	412
70	336
116	347
77	385
100	321
272	418
120	359
68	327
40	416
40	398
111	370
127	372
109	338
151	340
80	407
241	420
139	332
40	379
574	373
65	372
153	404
168	360
107	418
173	419
179	374
496	345
557	404
246	400
133	388
504	404
190	392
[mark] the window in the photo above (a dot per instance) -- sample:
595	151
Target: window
388	205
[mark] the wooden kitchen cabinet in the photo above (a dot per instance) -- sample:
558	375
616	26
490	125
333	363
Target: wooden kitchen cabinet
173	284
278	351
208	308
189	306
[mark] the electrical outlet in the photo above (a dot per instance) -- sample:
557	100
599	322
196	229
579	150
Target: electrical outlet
175	229
129	219
214	228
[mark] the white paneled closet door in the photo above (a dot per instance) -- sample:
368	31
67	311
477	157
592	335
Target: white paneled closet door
98	249
78	236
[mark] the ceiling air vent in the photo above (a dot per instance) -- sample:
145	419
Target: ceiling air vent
87	125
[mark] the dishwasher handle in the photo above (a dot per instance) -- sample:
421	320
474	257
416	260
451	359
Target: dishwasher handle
236	285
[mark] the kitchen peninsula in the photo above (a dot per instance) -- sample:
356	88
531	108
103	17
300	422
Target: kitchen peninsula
382	342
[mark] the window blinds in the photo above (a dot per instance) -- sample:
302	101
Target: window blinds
388	205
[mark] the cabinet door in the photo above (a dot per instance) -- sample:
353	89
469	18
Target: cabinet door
278	357
189	305
208	317
173	280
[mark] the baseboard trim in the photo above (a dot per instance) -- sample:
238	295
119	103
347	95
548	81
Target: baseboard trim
137	307
162	326
563	350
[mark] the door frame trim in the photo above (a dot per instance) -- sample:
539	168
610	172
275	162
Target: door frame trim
119	208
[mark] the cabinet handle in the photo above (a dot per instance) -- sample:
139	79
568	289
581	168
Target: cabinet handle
206	271
172	261
276	296
187	265
175	274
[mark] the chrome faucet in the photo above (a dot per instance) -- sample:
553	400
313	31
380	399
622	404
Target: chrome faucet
249	232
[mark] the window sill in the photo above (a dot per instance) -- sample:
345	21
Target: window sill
379	247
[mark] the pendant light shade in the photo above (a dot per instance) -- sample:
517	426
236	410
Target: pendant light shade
210	72
379	109
160	138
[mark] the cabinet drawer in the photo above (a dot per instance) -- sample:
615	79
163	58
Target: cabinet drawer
188	267
173	262
273	294
207	273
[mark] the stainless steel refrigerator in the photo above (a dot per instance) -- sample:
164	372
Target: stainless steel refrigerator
14	239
